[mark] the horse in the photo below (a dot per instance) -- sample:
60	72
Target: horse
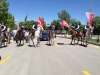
8	36
3	39
35	38
31	37
52	35
19	36
75	35
87	35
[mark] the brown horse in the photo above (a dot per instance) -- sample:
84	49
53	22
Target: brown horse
8	34
31	37
75	35
20	36
51	37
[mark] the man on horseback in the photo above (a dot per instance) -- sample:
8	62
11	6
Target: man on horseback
77	28
87	26
19	27
34	28
52	27
3	29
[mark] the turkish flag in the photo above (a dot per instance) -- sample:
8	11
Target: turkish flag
64	23
40	21
88	16
91	18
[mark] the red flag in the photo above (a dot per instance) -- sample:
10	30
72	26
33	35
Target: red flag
91	18
40	21
64	23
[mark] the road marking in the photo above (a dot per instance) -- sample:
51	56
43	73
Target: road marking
86	73
97	47
1	62
56	44
25	46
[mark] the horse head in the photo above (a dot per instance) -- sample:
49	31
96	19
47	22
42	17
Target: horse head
70	31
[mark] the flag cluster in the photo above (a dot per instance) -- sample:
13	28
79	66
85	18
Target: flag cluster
90	17
40	21
64	23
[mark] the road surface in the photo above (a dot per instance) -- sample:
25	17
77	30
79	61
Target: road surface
60	59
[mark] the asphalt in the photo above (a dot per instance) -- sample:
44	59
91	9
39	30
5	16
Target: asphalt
60	59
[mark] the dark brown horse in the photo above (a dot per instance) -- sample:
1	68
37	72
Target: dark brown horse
20	36
74	35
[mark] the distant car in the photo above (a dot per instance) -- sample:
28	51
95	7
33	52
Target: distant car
44	36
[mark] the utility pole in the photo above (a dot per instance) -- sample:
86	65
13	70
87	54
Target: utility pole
91	6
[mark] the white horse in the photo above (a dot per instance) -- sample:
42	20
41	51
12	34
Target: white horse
37	35
36	38
88	35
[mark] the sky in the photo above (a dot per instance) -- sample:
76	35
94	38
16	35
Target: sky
48	9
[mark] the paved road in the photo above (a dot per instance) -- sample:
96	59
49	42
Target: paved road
60	59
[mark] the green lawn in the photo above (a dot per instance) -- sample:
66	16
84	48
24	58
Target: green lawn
92	40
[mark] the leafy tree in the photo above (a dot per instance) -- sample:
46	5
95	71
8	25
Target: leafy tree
64	15
97	19
57	24
28	24
10	21
3	11
96	25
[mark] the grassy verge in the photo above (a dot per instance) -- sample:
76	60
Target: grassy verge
91	40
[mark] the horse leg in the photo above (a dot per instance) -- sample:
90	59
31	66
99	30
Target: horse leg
23	41
35	41
81	40
72	41
20	43
77	40
29	40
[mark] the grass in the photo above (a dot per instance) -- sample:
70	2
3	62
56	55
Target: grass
91	40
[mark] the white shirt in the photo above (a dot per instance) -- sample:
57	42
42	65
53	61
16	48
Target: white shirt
77	27
4	27
33	27
26	33
8	29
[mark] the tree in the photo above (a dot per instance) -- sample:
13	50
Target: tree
97	19
57	24
11	22
28	24
64	15
3	11
96	25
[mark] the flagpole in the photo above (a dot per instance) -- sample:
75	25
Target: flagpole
90	5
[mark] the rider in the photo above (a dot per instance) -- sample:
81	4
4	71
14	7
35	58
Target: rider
77	28
52	28
19	27
34	28
87	26
3	29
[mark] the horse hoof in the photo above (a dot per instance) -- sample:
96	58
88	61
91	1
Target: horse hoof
0	57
